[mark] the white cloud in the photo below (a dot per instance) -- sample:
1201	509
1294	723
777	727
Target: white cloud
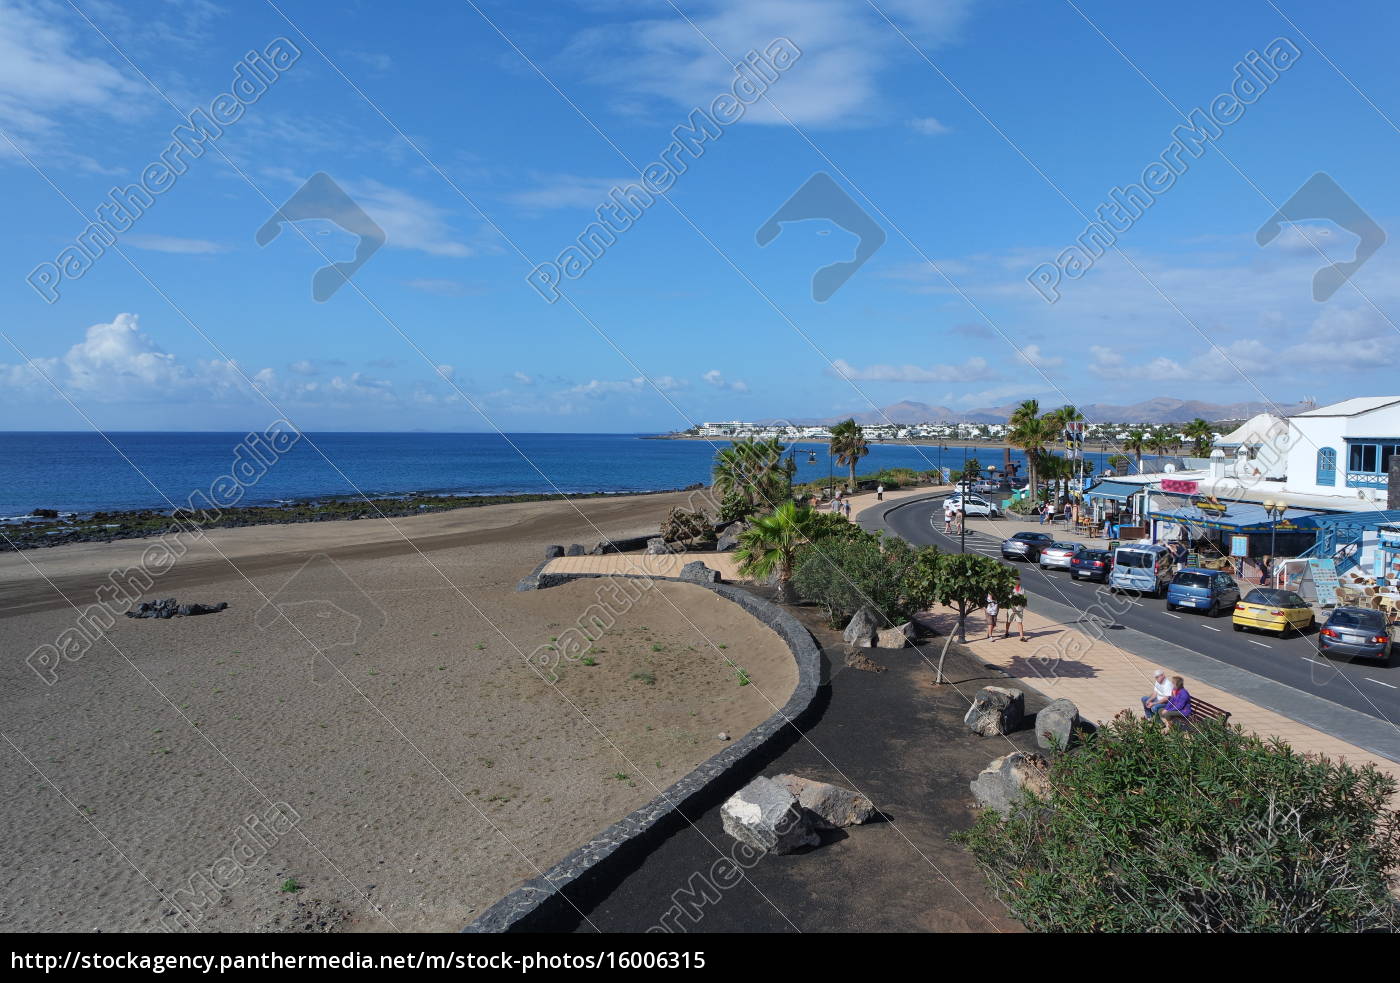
117	362
975	369
846	48
447	372
1033	354
45	78
929	127
716	378
602	388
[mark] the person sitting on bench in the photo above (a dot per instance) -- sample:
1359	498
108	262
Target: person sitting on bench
1154	702
1178	705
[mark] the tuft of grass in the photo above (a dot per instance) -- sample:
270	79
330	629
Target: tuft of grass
743	676
290	886
657	647
480	646
588	660
645	677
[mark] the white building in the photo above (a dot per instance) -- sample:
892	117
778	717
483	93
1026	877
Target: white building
1258	448
1344	450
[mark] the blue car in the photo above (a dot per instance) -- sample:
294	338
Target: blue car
1202	590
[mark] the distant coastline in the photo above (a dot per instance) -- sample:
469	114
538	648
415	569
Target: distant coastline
995	445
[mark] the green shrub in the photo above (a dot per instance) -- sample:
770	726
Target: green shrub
842	572
1210	830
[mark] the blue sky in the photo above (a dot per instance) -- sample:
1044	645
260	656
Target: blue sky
481	139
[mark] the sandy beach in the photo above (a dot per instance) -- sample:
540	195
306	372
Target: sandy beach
214	774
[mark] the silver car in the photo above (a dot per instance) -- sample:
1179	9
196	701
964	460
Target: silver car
1059	555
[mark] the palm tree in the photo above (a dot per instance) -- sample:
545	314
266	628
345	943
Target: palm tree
1201	435
771	542
753	475
848	445
1163	441
1030	432
1135	443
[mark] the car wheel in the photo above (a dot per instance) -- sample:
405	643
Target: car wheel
1238	627
1214	611
1171	606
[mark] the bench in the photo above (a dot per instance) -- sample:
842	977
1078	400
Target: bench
1201	710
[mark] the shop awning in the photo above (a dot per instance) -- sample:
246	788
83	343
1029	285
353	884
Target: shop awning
1238	517
1119	491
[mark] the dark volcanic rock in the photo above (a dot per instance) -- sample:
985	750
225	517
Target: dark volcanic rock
169	608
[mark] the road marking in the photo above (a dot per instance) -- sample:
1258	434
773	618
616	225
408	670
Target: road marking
1379	683
1170	615
1211	628
1262	645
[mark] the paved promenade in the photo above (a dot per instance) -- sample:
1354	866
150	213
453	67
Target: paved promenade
1059	659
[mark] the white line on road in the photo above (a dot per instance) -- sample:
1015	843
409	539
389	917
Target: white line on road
1262	645
1211	628
1379	683
1170	615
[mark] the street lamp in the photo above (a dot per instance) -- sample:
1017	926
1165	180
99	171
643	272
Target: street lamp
1274	510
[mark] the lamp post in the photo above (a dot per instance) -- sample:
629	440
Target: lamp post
1274	510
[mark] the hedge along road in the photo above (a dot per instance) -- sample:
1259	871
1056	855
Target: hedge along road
1365	687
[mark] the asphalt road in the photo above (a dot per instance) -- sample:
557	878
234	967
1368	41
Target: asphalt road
1363	686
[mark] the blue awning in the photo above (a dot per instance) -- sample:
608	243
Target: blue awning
1119	491
1239	517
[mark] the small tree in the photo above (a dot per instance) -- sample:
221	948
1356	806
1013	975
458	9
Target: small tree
963	581
841	573
683	526
1206	830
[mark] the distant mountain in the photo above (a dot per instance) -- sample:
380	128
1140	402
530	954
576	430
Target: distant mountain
1162	409
1165	409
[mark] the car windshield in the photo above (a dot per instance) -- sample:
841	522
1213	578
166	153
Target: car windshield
1029	537
1070	547
1191	580
1135	558
1353	618
1276	598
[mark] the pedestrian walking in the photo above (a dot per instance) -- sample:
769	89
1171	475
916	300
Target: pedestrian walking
848	508
947	520
992	610
1045	512
879	493
1016	611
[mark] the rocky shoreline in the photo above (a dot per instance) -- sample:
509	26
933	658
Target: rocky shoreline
47	527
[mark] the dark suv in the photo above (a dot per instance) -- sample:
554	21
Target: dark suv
1025	545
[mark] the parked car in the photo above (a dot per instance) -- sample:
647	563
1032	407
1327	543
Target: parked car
1355	632
1025	545
976	506
1273	609
1143	567
1090	564
992	486
1201	589
1060	556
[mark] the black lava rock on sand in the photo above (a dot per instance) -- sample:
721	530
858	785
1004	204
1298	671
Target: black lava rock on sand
170	607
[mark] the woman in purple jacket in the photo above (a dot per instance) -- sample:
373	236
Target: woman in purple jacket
1178	705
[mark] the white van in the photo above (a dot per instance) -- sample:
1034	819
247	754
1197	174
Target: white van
1142	567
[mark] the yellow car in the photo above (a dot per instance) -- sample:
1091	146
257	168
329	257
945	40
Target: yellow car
1271	609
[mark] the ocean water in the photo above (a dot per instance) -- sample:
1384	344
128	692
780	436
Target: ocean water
83	472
